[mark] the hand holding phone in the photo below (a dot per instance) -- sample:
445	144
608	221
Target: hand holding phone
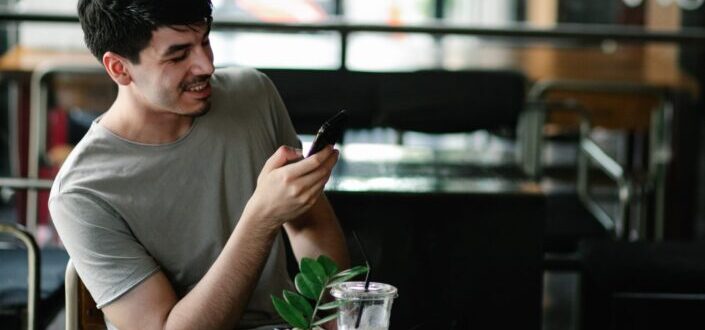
330	132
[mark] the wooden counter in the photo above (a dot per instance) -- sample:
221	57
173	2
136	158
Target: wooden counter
21	60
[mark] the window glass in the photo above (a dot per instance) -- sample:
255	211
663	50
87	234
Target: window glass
291	11
283	50
392	12
390	51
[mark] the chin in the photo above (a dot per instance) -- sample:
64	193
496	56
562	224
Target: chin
200	112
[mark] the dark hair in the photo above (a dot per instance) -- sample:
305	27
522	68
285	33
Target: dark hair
125	26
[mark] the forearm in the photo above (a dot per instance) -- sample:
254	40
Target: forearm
318	232
220	297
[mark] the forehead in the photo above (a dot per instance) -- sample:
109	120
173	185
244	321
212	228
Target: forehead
166	36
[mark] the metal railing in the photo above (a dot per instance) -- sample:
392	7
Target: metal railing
572	32
33	270
32	185
531	126
582	32
589	152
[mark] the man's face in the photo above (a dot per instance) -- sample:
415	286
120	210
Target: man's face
174	72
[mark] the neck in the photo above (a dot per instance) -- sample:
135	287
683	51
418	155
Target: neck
132	121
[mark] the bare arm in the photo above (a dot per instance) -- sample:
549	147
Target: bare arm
218	300
318	232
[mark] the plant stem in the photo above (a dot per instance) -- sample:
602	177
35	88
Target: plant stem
318	302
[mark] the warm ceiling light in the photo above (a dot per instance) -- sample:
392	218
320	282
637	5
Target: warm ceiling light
683	4
690	4
633	3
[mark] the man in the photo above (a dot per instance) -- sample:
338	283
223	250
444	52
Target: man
171	207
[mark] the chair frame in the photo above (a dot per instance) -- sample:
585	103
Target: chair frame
81	311
33	255
33	271
71	285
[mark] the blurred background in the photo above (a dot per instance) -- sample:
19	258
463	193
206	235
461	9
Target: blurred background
571	129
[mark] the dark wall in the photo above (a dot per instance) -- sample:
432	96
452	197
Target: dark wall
693	61
599	12
6	31
460	261
7	36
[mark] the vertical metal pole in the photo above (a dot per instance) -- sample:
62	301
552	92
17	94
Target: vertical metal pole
34	263
659	157
638	214
32	151
338	8
438	12
37	134
13	127
338	11
583	164
625	196
344	34
439	9
531	135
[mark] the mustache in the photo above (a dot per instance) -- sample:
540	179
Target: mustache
195	80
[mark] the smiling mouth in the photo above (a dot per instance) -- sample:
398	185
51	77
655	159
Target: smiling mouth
197	87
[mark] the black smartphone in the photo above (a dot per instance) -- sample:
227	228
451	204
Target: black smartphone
330	132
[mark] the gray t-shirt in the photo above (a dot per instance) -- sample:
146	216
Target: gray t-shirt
125	210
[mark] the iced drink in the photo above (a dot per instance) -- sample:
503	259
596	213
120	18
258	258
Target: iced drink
375	304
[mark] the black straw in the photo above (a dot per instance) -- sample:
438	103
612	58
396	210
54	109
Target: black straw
367	277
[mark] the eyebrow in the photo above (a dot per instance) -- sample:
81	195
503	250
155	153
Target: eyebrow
175	49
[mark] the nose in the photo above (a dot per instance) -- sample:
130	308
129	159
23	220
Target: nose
203	61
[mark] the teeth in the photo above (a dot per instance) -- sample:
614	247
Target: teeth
197	87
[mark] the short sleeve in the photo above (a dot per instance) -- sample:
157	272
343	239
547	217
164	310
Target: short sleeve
107	256
286	134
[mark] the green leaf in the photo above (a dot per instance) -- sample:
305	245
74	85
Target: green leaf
309	288
347	275
314	270
331	305
357	270
328	264
326	319
289	313
299	302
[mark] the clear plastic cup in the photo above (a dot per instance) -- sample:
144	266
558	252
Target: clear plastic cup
375	303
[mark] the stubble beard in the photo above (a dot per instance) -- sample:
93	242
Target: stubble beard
202	111
207	102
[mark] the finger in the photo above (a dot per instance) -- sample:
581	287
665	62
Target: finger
311	192
322	173
281	157
317	188
311	163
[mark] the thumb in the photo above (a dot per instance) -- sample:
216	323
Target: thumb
281	157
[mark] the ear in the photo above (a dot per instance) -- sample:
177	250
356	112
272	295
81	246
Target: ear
117	68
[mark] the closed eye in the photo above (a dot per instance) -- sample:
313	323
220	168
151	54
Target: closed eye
179	58
180	50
